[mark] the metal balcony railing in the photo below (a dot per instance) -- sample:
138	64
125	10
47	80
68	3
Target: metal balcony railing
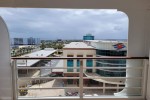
40	81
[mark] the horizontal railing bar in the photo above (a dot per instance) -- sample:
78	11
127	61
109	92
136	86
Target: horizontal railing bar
49	98
38	78
48	67
49	58
79	67
90	77
49	88
83	88
112	87
112	68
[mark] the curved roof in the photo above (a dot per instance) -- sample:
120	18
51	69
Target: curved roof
108	80
41	53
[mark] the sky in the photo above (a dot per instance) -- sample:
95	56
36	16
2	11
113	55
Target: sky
65	23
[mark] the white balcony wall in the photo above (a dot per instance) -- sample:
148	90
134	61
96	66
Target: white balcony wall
148	51
5	69
148	84
136	46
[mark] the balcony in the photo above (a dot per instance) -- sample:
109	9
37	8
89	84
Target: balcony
79	85
138	42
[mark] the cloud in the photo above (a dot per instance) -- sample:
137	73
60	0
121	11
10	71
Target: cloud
65	23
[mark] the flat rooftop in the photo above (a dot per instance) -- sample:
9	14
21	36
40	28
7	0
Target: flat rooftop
59	65
107	41
41	53
78	45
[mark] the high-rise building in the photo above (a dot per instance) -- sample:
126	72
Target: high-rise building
18	41
24	41
31	41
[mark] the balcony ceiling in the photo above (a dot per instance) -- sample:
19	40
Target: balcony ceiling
79	4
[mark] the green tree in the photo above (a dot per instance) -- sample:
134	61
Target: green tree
42	46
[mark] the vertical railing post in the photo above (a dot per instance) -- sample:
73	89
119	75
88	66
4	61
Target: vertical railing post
81	80
104	85
117	87
144	77
26	66
14	79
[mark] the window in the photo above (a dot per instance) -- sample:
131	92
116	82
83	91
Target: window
69	64
69	55
89	55
89	63
111	53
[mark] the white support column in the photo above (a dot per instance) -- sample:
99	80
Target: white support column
147	89
145	77
117	88
104	85
148	83
136	48
64	60
15	77
81	82
75	62
94	64
84	61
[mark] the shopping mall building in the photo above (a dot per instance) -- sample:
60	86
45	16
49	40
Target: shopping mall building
108	49
95	48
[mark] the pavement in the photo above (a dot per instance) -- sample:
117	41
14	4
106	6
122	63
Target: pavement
47	92
61	92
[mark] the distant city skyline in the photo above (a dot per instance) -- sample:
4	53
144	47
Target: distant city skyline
52	24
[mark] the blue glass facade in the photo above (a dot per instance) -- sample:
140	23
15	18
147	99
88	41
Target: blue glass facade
69	64
111	53
88	37
111	63
111	73
89	63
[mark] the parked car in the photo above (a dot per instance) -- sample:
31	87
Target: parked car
55	75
